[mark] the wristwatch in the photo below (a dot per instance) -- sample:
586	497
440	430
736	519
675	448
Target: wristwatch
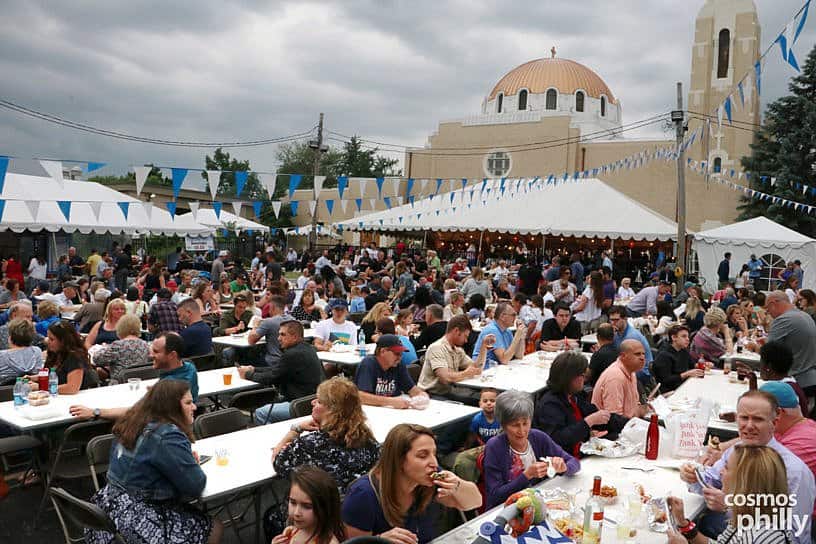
296	428
96	413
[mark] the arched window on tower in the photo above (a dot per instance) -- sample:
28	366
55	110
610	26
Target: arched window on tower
724	45
579	101
717	165
552	99
522	103
603	106
499	102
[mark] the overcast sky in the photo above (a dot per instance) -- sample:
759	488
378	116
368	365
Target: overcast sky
216	70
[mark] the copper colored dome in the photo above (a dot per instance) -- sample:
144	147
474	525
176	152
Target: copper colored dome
541	74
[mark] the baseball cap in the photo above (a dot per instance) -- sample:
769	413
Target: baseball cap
784	393
337	303
391	342
688	284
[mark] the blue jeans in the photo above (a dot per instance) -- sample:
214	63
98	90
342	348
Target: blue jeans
712	524
272	413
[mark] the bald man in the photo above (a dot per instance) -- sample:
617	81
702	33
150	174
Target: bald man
796	329
616	390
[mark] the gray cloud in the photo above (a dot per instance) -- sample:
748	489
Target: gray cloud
387	70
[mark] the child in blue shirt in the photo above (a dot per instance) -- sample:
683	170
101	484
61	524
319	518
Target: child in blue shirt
357	303
483	427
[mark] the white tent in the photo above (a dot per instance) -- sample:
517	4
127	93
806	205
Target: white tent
206	216
306	230
586	208
760	236
31	204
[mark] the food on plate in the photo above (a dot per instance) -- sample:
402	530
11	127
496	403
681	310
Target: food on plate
570	529
38	398
644	498
558	504
608	491
659	515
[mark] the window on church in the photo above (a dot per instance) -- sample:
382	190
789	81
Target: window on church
723	53
579	101
552	99
499	103
522	100
497	164
603	106
717	165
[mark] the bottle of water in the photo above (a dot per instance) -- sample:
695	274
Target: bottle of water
26	389
53	383
361	342
19	399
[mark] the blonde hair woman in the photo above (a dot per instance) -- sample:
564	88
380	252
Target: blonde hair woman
694	314
750	471
369	322
104	332
477	284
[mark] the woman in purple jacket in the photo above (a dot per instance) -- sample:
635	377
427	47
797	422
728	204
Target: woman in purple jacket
514	459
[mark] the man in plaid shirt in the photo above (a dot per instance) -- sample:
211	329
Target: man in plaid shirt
163	316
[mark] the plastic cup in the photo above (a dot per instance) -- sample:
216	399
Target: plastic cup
221	457
134	383
227	378
727	366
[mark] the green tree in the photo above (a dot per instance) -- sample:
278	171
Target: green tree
153	178
221	160
785	148
359	162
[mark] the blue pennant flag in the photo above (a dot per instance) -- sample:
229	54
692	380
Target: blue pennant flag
727	107
171	207
330	205
217	209
4	162
273	230
2	208
359	203
758	70
257	206
387	201
438	184
550	179
400	219
342	183
294	181
484	184
65	208
240	181
125	207
95	166
452	196
293	205
409	186
501	186
411	200
437	213
380	182
464	183
742	100
178	178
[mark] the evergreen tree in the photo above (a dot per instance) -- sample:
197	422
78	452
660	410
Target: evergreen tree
785	148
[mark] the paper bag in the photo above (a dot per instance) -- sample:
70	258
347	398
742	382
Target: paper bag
688	429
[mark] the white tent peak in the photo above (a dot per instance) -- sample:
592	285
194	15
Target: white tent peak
759	231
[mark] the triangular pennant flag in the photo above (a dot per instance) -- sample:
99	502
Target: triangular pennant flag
741	94
276	206
171	207
65	208
362	182
92	166
241	177
387	200
727	107
330	205
438	185
2	208
148	209
318	185
359	203
33	208
720	116
409	186
342	183
343	204
54	170
194	206
4	162
395	183
399	201
294	181
758	72
141	177
178	175
268	182
379	182
96	209
312	207
411	199
293	205
125	207
217	209
236	207
423	184
373	203
257	206
452	196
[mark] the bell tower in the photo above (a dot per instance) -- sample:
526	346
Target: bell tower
726	46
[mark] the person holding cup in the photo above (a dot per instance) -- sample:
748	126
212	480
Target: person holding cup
507	345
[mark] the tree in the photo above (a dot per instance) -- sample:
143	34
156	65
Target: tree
359	162
222	161
153	178
785	148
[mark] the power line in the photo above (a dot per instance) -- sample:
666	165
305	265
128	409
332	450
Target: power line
50	118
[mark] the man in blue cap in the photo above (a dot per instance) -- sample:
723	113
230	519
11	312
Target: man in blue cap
335	328
382	380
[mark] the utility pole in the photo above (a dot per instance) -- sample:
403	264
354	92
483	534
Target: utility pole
319	148
678	117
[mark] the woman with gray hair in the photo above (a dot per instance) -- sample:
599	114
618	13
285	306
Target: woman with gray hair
515	459
714	339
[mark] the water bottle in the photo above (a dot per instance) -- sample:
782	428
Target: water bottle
26	389
361	342
53	383
19	399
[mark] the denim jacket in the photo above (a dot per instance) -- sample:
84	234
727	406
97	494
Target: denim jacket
161	466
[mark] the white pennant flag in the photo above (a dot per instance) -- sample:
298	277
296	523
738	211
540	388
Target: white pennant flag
395	182
773	182
148	209
423	184
96	208
373	202
141	177
268	181
194	209
213	178
720	116
318	186
343	204
363	182
312	207
748	87
236	207
276	205
399	201
33	208
54	170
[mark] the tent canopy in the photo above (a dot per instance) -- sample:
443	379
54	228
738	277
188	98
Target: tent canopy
31	204
306	230
206	216
587	208
759	236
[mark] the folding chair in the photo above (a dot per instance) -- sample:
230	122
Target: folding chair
414	370
204	362
249	401
82	515
302	406
220	422
142	372
98	453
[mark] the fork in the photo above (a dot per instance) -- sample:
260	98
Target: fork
639	468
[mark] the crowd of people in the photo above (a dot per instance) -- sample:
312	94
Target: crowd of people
433	324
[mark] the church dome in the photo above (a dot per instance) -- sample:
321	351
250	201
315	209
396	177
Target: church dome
565	75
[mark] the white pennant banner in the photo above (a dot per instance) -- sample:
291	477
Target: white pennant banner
423	184
318	186
276	206
213	178
395	182
148	208
268	182
312	207
343	205
363	182
141	177
33	208
96	208
236	207
373	203
54	169
194	209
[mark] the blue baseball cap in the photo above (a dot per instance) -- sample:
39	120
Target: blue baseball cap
784	393
337	303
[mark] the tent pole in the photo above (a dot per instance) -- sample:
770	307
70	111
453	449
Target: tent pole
479	254
424	239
